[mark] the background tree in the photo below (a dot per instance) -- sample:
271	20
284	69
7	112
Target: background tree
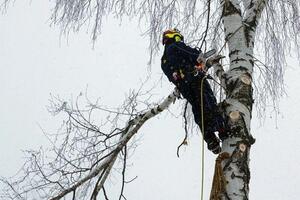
278	28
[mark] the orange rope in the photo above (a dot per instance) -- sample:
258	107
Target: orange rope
219	181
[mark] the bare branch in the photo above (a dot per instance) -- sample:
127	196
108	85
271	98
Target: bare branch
83	158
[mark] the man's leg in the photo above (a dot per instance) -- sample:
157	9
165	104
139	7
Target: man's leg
216	120
213	143
198	108
193	92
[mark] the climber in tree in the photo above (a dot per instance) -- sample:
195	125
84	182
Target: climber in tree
179	63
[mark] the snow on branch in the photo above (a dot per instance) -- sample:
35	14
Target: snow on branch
156	16
4	4
276	39
82	156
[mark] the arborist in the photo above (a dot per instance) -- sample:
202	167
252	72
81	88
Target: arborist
179	63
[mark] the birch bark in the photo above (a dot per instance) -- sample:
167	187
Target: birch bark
240	35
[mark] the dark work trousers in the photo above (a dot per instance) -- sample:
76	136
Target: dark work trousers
191	90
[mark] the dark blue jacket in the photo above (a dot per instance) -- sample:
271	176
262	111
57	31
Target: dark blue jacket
178	56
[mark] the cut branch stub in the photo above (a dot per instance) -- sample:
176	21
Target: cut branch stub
246	79
234	116
242	147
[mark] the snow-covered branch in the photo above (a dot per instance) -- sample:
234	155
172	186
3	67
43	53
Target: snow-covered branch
74	175
84	154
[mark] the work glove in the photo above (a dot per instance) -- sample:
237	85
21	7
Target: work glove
201	63
176	76
200	67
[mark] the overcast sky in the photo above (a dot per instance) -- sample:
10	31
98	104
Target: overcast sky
35	63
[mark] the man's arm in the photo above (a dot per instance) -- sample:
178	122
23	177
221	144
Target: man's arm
171	63
187	53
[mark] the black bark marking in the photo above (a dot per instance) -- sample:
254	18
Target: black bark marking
229	9
238	59
252	62
248	27
241	69
250	5
234	52
232	175
153	111
159	109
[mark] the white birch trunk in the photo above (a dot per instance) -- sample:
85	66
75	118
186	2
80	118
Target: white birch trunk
240	36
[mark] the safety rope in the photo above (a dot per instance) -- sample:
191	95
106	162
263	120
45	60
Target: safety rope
219	181
202	150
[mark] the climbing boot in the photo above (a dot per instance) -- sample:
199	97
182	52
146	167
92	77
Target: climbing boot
213	145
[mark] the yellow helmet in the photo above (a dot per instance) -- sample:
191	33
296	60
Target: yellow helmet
172	35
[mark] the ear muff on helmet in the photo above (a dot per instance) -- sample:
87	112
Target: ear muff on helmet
178	38
172	36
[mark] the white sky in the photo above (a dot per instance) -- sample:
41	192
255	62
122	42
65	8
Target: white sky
34	63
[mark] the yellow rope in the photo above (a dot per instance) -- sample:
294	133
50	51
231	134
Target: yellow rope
202	120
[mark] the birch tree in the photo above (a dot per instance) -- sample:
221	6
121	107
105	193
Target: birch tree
256	36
